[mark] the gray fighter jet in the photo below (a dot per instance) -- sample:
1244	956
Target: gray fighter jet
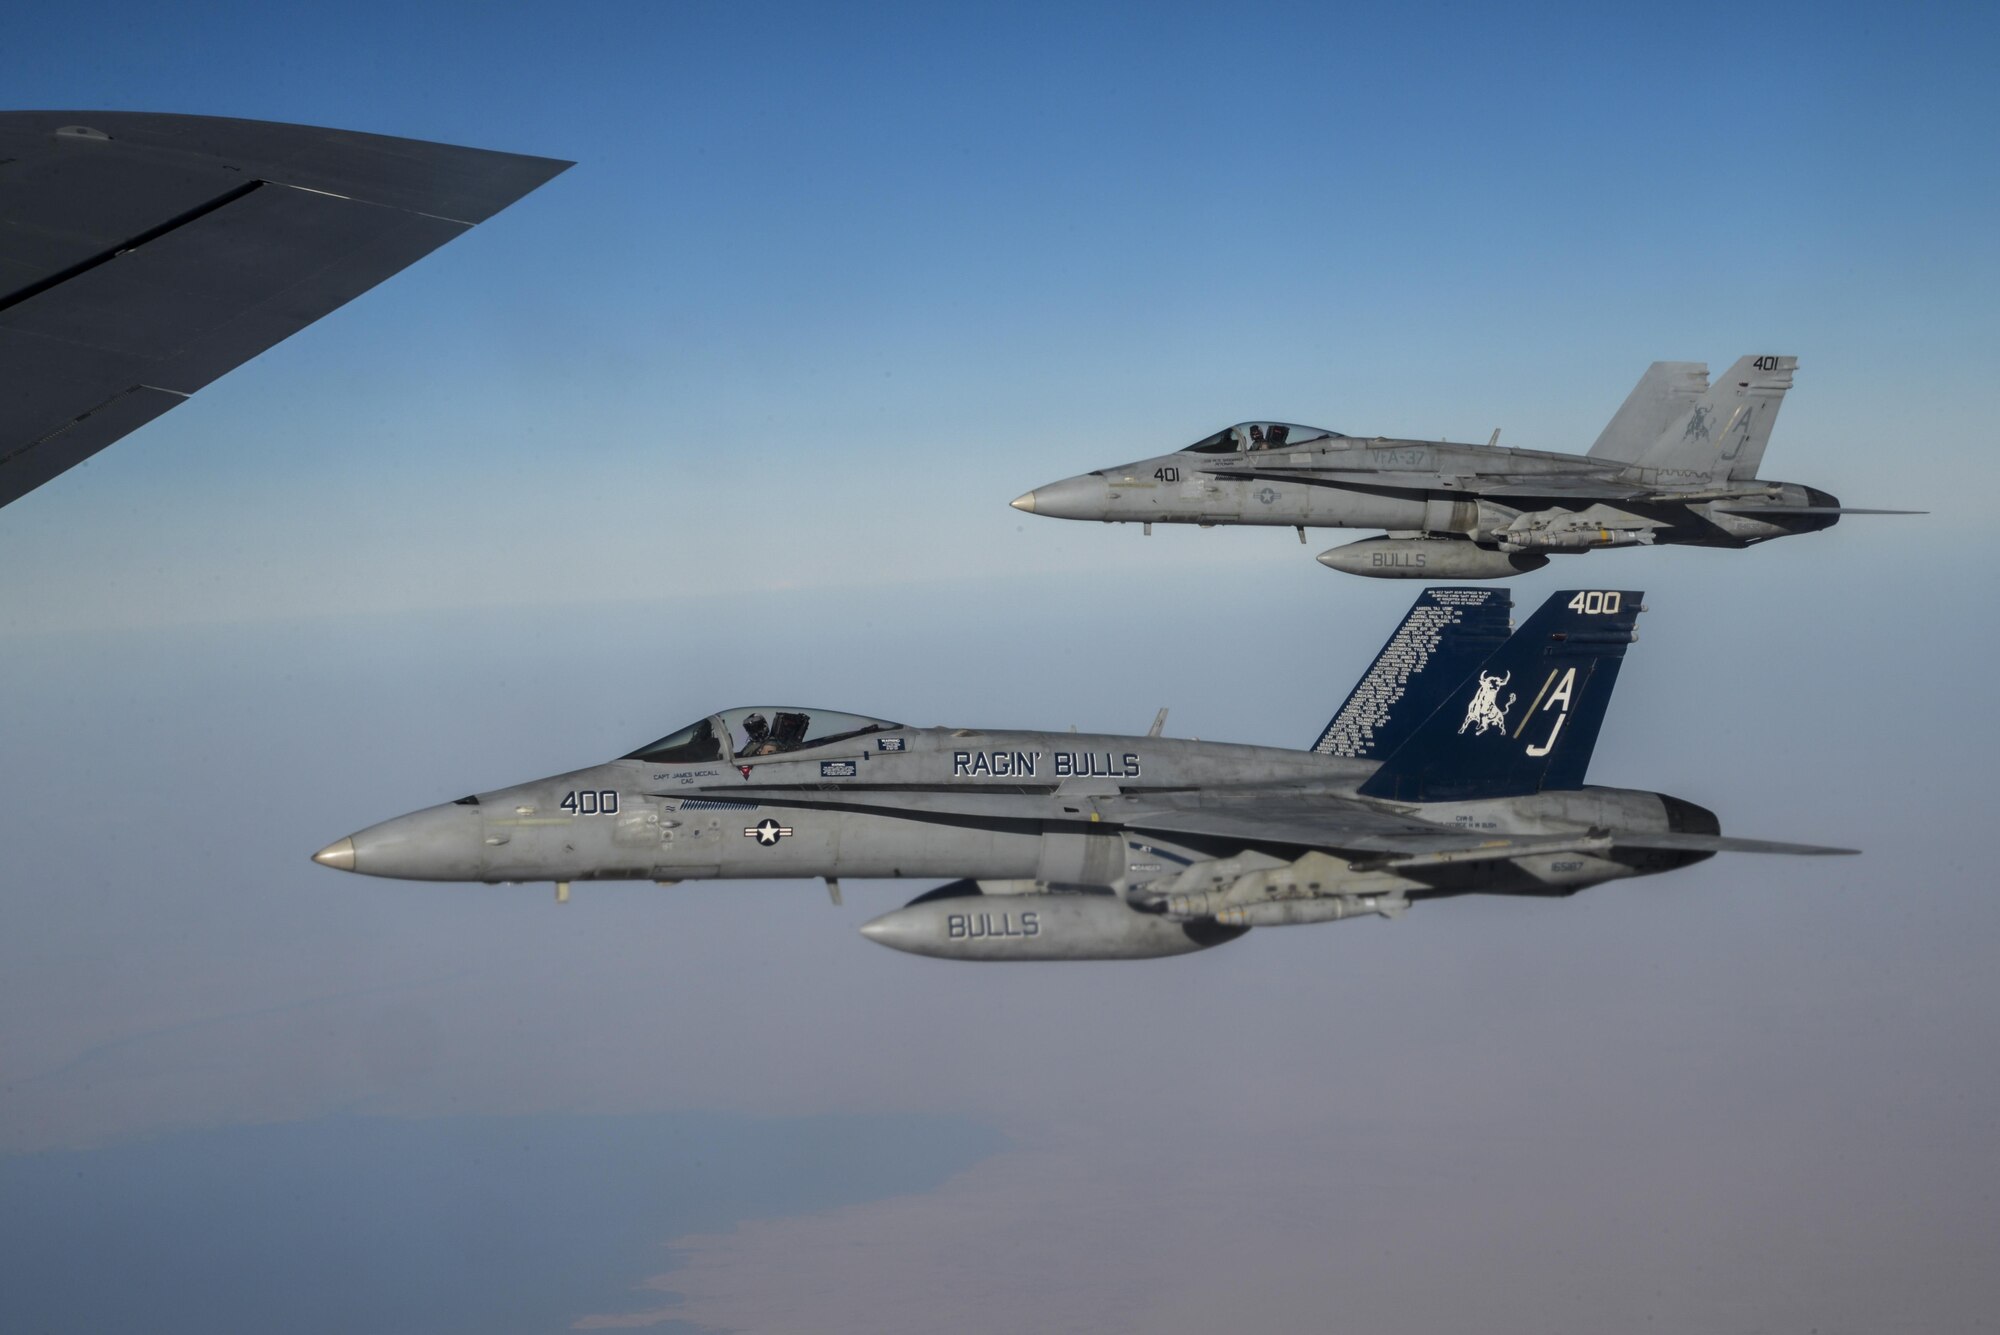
142	256
1677	465
1455	767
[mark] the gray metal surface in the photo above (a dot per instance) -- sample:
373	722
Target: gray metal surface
1064	845
1676	466
142	256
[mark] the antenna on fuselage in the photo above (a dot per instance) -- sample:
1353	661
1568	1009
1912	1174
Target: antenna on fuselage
1159	723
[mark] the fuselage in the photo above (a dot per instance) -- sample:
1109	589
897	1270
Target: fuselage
1041	808
652	820
1455	766
1482	494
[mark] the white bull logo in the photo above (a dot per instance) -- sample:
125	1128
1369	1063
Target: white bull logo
1486	709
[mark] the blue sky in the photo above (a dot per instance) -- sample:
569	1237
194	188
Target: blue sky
730	412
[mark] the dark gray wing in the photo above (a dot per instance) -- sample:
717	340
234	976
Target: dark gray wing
143	256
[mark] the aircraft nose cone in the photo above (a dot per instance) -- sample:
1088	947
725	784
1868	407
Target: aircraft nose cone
440	843
1085	497
338	855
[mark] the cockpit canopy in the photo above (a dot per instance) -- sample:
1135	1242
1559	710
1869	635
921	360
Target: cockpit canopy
1247	436
758	731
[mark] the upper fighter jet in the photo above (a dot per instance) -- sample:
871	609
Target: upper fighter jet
1678	464
1455	767
143	256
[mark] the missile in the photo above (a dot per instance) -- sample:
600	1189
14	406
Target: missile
1563	532
1330	908
1428	558
975	926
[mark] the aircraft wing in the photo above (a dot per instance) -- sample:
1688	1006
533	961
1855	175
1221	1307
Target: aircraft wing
1722	843
1559	486
1284	818
1259	815
1326	823
1810	510
1341	825
1566	487
142	256
1562	488
1350	478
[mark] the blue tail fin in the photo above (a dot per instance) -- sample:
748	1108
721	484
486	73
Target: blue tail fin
1527	719
1447	633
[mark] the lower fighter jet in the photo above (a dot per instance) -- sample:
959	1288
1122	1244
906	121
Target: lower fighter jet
1455	767
1676	466
145	255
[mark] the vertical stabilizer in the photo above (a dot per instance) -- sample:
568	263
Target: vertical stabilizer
1447	633
1662	397
1527	718
1721	437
